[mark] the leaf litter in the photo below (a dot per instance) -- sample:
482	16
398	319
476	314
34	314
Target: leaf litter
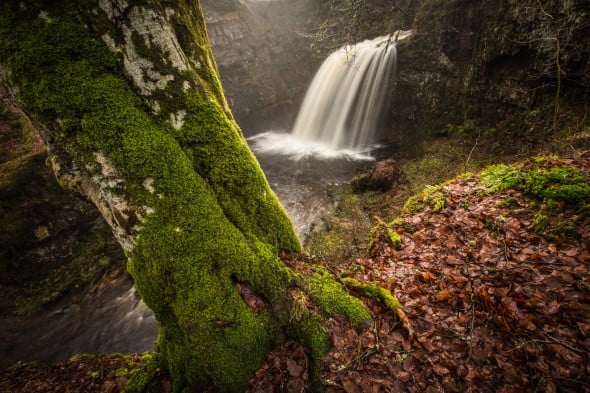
496	302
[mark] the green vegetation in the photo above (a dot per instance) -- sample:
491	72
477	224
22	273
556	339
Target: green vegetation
391	229
317	339
431	196
544	178
375	292
554	186
332	299
208	218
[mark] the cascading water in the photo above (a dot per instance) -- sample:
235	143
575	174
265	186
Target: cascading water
333	130
343	104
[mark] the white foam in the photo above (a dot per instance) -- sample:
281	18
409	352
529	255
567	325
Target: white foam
295	147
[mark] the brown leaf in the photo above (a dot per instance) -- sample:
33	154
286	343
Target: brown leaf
294	369
350	387
584	328
440	370
443	296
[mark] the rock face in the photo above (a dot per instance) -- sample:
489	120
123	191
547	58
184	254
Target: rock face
498	63
495	64
264	57
50	240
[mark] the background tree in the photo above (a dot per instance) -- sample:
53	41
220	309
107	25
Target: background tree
126	95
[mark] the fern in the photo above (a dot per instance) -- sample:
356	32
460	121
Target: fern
501	177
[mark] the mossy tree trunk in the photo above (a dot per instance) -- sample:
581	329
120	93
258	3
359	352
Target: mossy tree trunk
127	96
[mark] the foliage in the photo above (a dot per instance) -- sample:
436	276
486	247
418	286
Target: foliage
500	177
431	196
543	178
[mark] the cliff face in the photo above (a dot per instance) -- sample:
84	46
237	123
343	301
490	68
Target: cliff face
264	57
498	65
519	67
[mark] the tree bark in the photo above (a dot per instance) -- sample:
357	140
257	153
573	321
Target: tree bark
126	95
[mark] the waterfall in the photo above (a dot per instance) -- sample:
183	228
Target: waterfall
344	101
342	105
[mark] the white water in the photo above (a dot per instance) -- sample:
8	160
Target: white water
342	106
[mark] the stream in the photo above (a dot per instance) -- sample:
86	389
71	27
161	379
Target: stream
106	316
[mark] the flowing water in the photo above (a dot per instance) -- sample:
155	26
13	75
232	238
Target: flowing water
107	316
330	142
342	106
332	137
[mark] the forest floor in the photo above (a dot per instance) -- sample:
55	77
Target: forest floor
495	285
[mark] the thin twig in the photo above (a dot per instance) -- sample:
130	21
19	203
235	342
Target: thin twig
476	144
556	341
543	10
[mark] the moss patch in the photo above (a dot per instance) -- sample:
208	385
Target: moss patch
332	299
554	186
547	179
431	196
375	292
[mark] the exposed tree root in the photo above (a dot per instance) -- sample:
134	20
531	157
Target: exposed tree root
383	295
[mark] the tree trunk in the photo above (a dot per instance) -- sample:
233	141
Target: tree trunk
126	95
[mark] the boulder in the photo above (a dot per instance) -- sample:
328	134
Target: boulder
379	178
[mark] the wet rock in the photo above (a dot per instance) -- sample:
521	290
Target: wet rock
380	178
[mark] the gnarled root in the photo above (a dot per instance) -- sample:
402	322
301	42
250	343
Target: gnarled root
383	295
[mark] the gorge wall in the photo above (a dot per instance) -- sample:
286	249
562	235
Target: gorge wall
470	65
265	57
497	65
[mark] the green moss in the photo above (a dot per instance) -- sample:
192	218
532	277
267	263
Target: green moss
190	27
394	237
375	292
500	177
557	183
554	188
332	299
235	178
317	339
392	229
544	178
432	196
139	371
